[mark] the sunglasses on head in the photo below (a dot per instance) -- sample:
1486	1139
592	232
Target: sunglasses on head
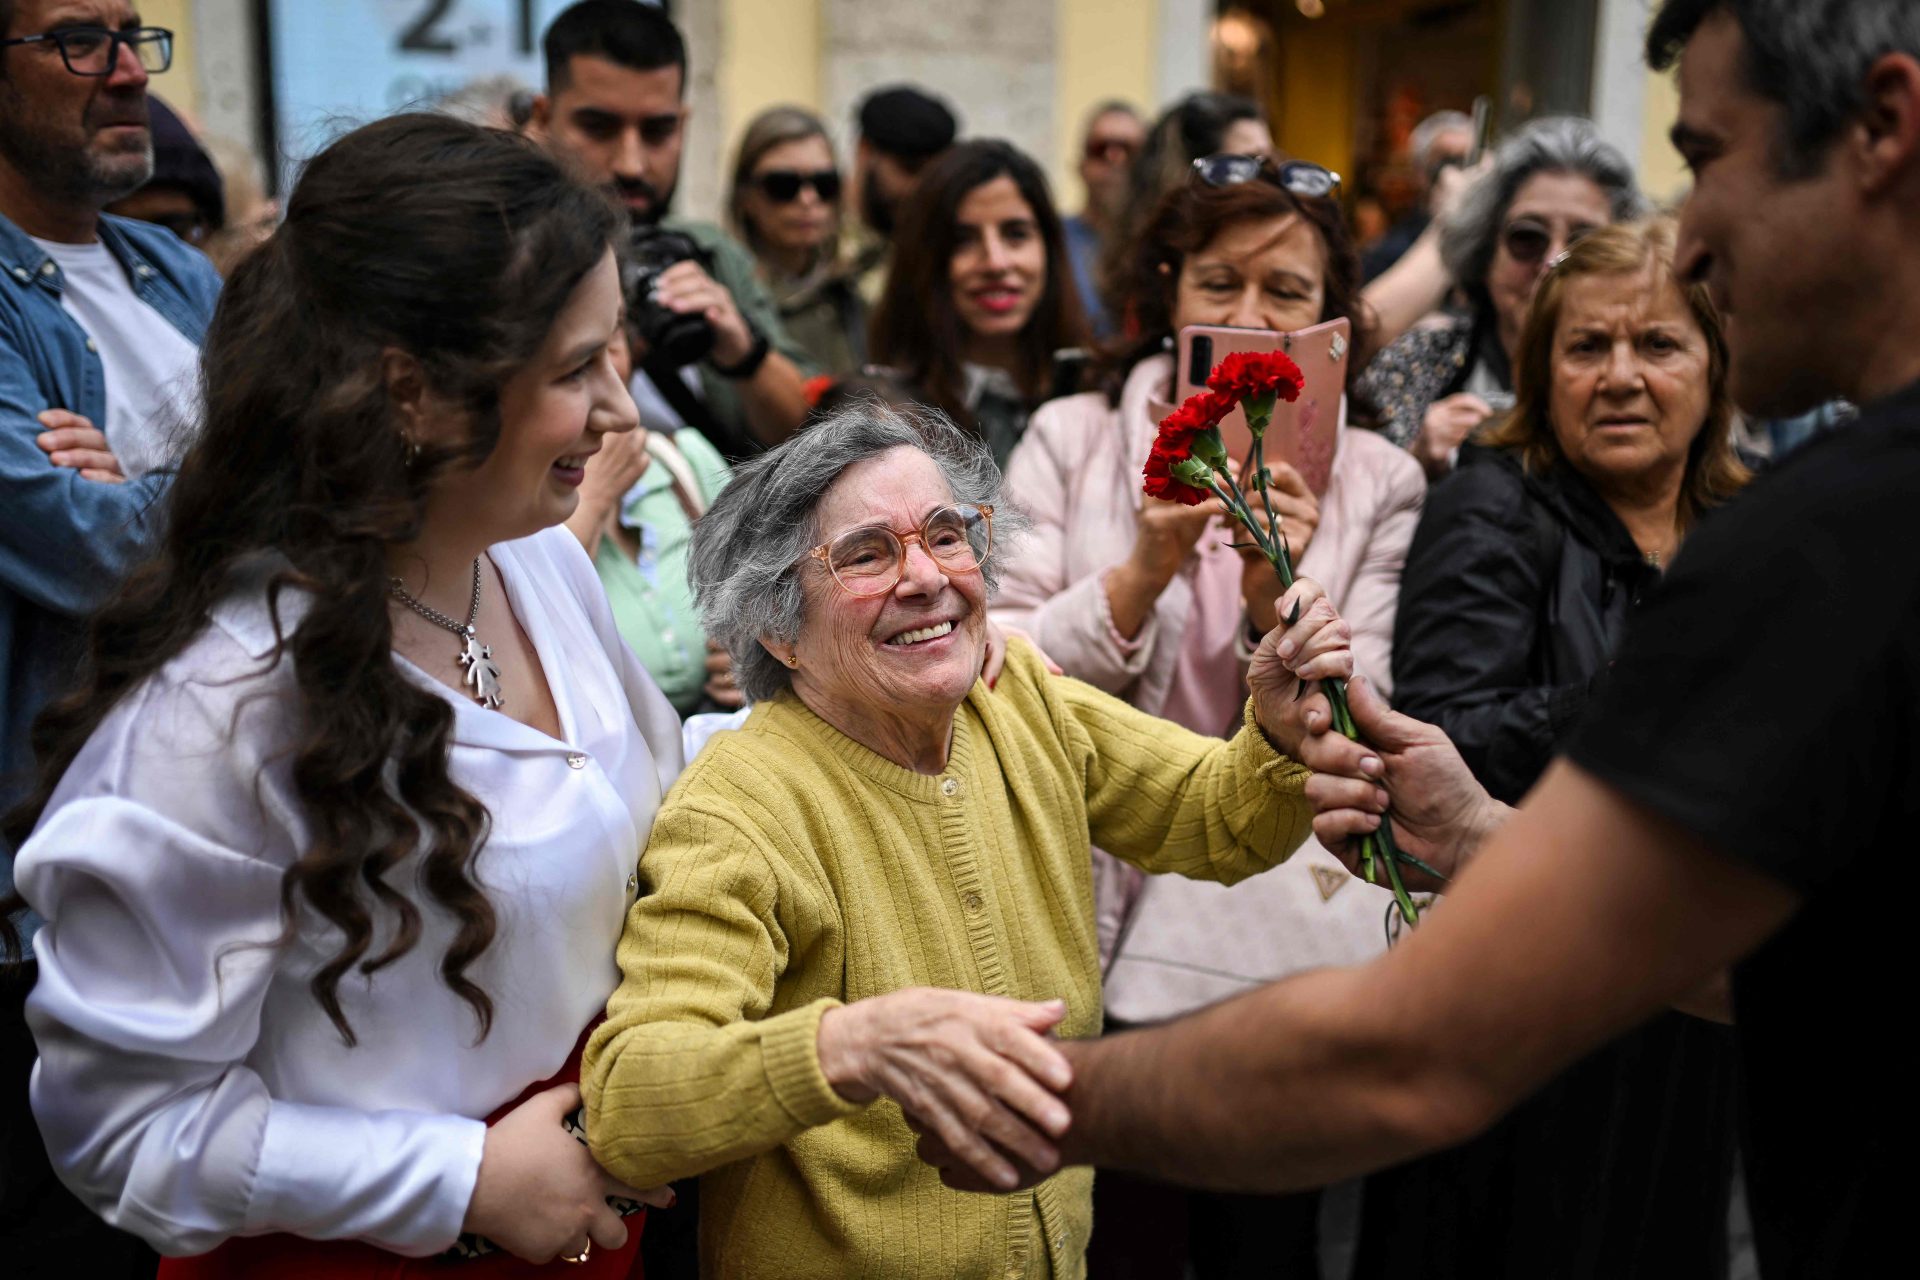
1295	177
1528	240
782	186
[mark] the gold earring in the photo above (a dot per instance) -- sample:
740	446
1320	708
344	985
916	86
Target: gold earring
793	660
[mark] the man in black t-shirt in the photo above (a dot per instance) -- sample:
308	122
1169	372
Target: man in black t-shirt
1746	792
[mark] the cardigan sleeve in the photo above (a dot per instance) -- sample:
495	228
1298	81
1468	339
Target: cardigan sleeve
1069	620
689	1072
1167	799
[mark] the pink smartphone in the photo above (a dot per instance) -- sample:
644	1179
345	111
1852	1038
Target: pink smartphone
1303	433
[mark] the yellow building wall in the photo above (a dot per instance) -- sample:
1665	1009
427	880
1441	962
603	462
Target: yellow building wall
770	57
1662	176
180	83
1104	49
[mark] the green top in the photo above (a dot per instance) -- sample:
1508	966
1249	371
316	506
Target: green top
651	595
734	269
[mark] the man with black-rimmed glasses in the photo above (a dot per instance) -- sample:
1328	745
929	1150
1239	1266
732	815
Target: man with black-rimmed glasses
101	321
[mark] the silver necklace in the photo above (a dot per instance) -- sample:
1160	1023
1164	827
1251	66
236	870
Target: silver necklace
476	659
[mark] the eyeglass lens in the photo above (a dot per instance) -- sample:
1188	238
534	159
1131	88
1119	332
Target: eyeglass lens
783	185
93	51
870	559
1527	241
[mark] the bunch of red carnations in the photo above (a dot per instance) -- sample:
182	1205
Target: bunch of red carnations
1189	465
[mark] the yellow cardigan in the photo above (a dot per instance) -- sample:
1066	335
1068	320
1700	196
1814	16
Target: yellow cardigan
791	869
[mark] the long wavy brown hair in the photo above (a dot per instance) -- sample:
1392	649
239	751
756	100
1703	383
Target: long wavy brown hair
1714	472
458	245
917	331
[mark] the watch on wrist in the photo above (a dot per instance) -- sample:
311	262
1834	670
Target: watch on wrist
750	363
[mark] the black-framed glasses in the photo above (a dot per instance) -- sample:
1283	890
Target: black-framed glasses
1295	177
782	186
95	51
869	560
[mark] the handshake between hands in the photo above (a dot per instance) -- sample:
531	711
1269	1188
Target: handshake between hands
1009	1124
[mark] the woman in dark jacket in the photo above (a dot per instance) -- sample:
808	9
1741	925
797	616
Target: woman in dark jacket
1522	579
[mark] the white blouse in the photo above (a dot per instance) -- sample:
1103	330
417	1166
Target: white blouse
189	1087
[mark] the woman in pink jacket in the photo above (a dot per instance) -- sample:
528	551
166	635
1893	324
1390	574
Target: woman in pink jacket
1146	600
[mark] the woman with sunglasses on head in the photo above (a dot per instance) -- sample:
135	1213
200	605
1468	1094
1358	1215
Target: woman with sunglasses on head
1551	182
1146	600
334	837
865	909
785	207
972	319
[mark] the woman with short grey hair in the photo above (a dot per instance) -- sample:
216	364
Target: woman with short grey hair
863	911
1552	181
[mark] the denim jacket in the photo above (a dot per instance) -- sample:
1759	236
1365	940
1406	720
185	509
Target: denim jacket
65	541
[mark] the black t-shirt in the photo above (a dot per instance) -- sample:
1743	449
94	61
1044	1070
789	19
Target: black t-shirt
1768	700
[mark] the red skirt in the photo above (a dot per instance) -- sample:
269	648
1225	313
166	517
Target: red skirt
284	1257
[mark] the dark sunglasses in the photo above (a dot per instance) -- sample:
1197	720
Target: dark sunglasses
1295	177
1527	240
782	186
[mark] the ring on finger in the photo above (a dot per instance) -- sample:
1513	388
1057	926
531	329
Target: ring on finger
575	1259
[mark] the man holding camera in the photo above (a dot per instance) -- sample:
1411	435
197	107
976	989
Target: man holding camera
710	351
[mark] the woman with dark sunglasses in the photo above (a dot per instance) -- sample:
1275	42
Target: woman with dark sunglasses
1552	182
785	206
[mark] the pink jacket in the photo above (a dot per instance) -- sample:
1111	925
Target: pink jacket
1077	473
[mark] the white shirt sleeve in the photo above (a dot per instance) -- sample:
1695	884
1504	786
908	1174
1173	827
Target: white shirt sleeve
158	870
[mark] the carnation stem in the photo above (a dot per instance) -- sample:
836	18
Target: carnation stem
1276	553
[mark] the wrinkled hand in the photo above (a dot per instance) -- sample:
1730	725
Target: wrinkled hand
1318	645
720	687
685	287
958	1174
615	469
976	1070
1298	513
540	1194
1447	424
1440	812
72	441
996	657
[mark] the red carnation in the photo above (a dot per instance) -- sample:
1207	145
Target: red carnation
1201	412
1162	484
1245	374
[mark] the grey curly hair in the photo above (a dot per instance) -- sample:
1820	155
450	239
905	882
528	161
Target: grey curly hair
751	546
1552	144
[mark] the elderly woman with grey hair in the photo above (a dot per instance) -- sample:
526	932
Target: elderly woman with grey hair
1552	181
867	907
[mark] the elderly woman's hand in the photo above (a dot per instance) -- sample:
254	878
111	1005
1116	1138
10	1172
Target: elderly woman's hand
1316	645
1441	813
977	1070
